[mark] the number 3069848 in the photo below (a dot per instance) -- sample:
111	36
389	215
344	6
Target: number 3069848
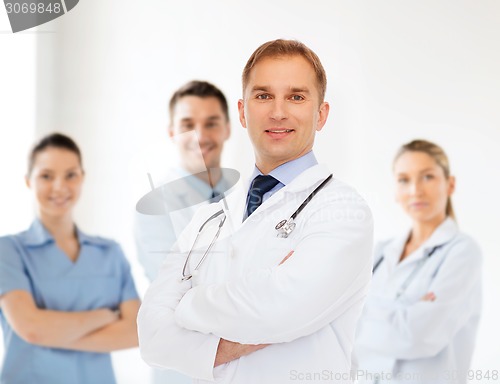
33	8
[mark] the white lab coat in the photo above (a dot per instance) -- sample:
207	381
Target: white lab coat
408	337
306	308
156	234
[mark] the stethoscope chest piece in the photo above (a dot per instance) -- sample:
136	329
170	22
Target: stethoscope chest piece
284	228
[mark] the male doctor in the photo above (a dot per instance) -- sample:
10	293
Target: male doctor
199	126
236	303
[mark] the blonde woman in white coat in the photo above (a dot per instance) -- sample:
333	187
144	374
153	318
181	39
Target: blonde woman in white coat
420	319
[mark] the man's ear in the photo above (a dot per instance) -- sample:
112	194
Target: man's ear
228	130
27	181
241	111
324	110
170	131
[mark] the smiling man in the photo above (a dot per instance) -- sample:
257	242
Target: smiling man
199	126
260	299
282	116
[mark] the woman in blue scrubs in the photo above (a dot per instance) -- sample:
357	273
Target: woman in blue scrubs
421	316
67	299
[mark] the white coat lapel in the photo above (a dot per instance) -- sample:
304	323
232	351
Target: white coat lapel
392	252
441	235
446	231
235	202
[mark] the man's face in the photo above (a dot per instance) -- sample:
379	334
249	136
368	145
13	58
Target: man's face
199	129
281	110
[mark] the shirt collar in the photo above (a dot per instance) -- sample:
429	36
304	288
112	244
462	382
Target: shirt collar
83	238
201	186
38	235
285	173
441	235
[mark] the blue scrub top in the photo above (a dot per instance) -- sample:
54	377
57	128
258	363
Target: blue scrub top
100	278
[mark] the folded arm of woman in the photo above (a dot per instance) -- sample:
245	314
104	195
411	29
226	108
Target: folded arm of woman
422	329
120	334
49	328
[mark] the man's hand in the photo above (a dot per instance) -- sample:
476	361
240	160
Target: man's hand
429	297
228	351
286	258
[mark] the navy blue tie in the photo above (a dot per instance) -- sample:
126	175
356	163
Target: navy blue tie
260	186
216	196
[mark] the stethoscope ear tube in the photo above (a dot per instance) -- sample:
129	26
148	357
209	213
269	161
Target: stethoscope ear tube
216	214
377	264
309	198
188	276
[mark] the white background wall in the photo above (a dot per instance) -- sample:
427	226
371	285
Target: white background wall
397	70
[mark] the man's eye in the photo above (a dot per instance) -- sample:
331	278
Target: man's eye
428	177
45	176
187	127
263	96
71	175
402	180
297	98
211	125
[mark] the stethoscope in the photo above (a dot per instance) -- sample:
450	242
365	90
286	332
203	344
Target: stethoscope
284	228
415	271
187	276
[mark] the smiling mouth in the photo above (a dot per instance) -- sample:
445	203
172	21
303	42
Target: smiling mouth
418	205
59	201
203	149
279	130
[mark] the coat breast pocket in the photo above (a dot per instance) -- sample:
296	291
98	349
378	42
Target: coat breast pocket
272	251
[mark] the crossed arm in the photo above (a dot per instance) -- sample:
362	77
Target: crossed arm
175	314
99	330
424	328
228	351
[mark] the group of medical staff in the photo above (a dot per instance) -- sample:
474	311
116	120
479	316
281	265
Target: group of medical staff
67	299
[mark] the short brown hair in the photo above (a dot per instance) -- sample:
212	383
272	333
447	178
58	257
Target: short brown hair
438	155
201	89
280	48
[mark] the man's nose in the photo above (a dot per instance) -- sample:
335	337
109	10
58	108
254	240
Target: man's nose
202	133
279	110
